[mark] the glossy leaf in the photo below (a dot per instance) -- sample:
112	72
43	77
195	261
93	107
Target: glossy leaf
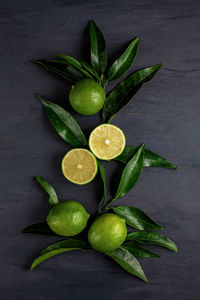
97	48
64	123
151	159
148	237
130	174
128	262
58	248
103	177
67	242
125	90
53	199
136	218
56	70
39	228
75	63
90	69
124	62
72	71
138	251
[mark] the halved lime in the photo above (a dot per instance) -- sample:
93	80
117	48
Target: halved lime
79	166
107	141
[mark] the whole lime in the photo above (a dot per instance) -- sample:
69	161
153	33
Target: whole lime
67	218
87	97
107	232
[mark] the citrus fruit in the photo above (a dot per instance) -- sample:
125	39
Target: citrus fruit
87	97
107	233
79	166
67	218
107	141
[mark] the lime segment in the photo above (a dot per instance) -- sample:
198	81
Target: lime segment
107	141
79	166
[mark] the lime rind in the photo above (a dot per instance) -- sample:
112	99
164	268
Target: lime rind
114	156
95	161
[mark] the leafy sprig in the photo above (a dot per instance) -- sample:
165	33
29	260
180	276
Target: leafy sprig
135	158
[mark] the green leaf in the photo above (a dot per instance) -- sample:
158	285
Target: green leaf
136	218
58	71
64	123
53	199
75	73
68	242
125	90
128	262
130	174
90	69
124	62
138	251
39	228
97	48
72	71
75	63
152	238
58	248
103	177
151	159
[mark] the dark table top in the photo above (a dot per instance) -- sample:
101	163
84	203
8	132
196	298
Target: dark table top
165	115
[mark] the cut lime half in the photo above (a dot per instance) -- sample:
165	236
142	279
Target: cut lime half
107	141
79	166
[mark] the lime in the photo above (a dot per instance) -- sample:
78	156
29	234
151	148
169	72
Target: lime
107	233
67	218
79	166
107	141
87	97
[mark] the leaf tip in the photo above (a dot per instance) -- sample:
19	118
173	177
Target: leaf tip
91	22
37	96
32	267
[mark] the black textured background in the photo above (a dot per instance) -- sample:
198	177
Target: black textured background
165	115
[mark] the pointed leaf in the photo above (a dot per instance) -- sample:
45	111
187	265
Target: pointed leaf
75	73
125	90
136	218
103	177
151	159
72	71
98	49
90	69
130	174
58	248
53	199
138	251
122	64
75	63
66	243
56	70
148	237
128	262
64	123
39	228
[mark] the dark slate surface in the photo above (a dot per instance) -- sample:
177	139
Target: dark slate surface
165	115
